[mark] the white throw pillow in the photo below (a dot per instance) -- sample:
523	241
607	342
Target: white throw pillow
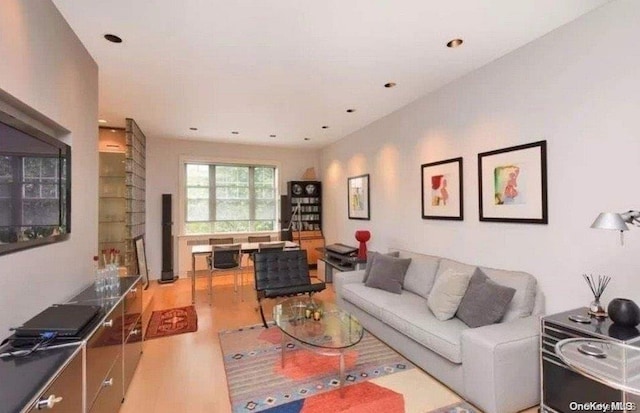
447	292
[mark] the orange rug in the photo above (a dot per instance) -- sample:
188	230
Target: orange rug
172	321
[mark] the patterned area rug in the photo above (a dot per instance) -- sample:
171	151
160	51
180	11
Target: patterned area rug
308	382
172	321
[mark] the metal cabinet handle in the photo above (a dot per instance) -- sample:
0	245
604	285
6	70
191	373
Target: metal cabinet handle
49	402
108	383
108	323
135	332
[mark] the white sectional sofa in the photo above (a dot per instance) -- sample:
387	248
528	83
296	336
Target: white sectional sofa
495	367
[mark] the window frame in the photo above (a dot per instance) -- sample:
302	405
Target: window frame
182	208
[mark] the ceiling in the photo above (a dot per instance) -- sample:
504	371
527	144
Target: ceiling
290	67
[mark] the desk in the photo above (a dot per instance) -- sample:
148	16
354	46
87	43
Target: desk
245	248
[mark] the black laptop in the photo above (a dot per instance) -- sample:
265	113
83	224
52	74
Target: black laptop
66	320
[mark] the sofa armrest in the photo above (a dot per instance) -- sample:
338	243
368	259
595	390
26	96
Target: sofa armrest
340	279
501	365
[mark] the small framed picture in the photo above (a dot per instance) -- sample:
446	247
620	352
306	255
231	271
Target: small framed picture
358	197
512	184
442	190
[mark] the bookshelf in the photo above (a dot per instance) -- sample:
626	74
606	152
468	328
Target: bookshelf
304	216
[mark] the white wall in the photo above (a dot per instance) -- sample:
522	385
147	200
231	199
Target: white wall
163	175
47	75
579	89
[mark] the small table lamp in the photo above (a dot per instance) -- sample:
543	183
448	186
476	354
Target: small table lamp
363	237
618	222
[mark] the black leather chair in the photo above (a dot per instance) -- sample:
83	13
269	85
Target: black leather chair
282	274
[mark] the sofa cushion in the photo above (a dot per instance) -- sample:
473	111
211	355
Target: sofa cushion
421	272
446	264
387	273
447	292
370	300
485	301
408	313
370	256
525	285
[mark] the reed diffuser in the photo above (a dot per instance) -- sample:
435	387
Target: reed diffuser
597	288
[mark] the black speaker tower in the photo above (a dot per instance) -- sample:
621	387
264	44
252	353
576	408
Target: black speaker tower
167	242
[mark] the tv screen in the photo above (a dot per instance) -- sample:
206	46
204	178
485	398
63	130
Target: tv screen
35	186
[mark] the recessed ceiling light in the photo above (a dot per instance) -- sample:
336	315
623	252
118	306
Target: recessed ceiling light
390	84
235	132
325	127
272	136
192	128
102	121
350	110
307	139
113	38
454	43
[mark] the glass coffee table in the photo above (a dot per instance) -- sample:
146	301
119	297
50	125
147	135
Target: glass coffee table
329	333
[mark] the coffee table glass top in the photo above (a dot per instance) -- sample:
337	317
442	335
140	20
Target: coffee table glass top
335	329
614	364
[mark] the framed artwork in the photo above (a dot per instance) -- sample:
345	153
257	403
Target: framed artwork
442	190
513	184
141	260
358	197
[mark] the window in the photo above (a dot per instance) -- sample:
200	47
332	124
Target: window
229	198
38	185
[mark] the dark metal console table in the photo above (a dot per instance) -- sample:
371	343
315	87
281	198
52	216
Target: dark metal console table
565	389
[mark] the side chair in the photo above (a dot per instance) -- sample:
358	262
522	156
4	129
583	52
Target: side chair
225	255
282	274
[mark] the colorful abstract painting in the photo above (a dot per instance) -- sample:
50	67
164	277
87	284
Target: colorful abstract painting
358	197
507	189
442	190
512	184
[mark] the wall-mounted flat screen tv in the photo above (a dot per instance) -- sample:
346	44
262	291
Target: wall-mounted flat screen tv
35	187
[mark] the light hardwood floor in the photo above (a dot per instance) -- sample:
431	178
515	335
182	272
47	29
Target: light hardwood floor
185	373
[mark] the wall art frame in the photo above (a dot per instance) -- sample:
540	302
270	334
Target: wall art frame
442	190
512	184
358	201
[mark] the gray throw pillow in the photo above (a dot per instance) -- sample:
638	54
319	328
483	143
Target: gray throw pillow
485	301
370	257
387	273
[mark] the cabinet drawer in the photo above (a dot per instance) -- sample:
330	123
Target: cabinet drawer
103	348
133	301
132	353
110	393
65	393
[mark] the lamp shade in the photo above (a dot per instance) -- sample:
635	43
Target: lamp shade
610	220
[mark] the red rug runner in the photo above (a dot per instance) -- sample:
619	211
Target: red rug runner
172	321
